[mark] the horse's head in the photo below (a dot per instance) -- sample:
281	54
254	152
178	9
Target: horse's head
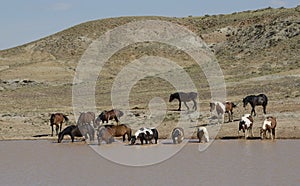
171	98
60	137
245	102
212	106
132	140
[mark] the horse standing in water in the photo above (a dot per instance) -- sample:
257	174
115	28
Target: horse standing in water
57	119
254	100
184	97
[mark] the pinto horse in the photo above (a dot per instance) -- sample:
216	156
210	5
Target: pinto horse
57	119
109	115
146	134
184	97
202	132
177	135
246	125
254	100
268	125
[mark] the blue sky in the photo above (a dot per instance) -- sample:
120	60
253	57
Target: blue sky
23	21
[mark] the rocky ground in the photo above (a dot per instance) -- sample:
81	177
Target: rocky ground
258	52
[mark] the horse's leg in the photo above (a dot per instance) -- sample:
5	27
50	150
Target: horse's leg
186	105
195	104
52	130
124	137
273	132
56	128
60	127
264	108
253	111
179	109
116	119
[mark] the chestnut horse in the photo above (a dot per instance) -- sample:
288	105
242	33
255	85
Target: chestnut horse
57	119
119	130
184	97
109	115
104	134
260	99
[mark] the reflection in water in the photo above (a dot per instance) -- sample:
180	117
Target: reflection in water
225	162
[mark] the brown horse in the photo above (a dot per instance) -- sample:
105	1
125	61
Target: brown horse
119	130
184	97
268	125
86	118
109	115
57	119
229	109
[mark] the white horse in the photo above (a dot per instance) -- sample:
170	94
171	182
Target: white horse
202	131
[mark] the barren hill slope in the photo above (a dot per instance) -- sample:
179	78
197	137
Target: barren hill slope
258	51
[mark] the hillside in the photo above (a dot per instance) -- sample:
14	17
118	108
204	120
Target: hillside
258	52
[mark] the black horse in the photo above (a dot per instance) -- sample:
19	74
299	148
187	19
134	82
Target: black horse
77	131
184	97
254	100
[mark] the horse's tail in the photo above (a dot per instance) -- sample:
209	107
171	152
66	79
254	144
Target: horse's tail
66	118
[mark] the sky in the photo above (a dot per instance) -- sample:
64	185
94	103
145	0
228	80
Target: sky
23	21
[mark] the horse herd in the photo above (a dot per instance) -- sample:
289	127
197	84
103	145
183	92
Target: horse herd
87	124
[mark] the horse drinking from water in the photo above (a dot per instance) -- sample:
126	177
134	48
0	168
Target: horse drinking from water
246	125
86	131
109	115
145	134
119	130
269	126
184	97
57	119
254	100
202	132
104	134
177	135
